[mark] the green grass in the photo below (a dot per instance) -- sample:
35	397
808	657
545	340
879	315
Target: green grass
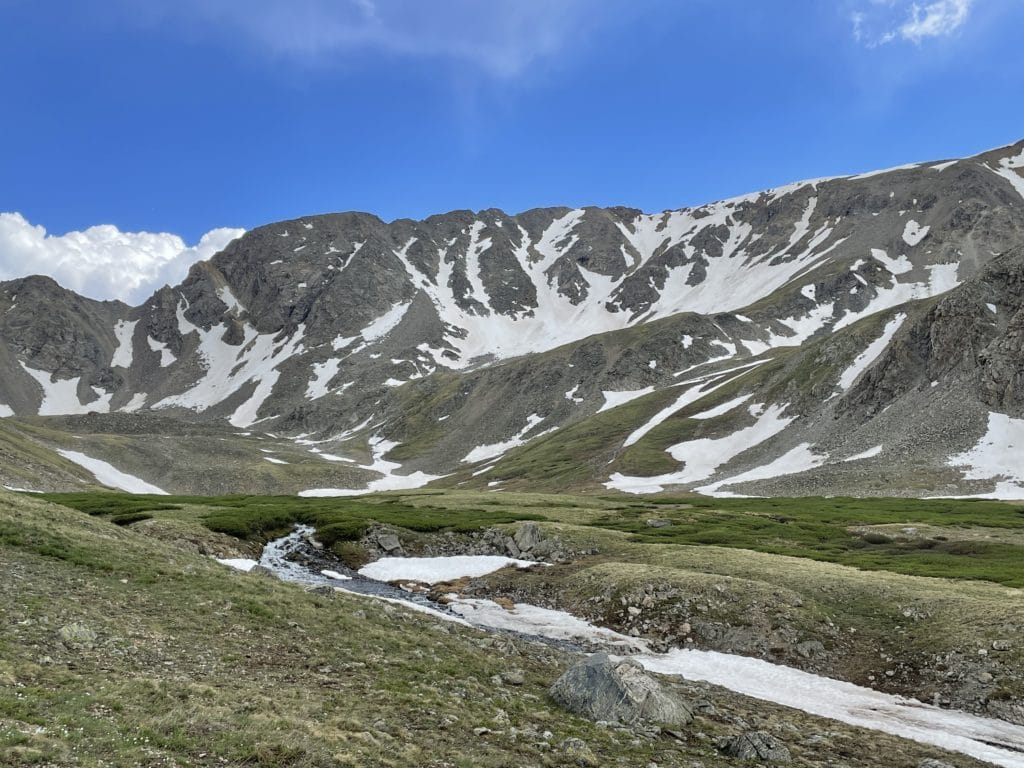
812	528
196	664
819	529
263	517
200	665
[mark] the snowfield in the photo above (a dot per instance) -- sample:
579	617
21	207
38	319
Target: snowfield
388	481
997	456
109	475
431	570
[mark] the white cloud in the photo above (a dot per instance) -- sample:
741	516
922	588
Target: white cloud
883	21
936	19
500	38
103	262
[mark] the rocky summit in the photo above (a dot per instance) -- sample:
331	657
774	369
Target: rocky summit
857	335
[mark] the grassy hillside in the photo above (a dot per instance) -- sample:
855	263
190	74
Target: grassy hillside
194	664
837	530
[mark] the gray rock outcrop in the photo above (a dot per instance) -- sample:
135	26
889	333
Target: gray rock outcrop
598	688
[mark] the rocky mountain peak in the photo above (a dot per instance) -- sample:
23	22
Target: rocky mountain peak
472	334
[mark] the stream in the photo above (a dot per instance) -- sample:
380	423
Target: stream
995	741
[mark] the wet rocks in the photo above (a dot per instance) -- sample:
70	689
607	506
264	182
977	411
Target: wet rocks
600	689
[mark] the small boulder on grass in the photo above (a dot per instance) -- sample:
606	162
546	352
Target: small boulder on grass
756	745
77	636
262	571
580	754
598	688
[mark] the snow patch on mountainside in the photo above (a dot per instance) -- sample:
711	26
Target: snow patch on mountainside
701	458
389	480
803	327
793	462
166	356
230	367
997	456
60	396
123	332
138	401
914	233
109	475
870	453
941	279
322	375
705	386
865	359
493	451
1008	167
898	266
722	409
384	324
5	411
613	399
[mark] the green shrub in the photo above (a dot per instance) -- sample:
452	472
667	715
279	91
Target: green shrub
876	538
131	517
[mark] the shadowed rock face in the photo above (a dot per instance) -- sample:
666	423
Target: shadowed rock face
487	329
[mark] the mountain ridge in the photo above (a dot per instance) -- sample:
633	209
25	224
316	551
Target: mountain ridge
345	329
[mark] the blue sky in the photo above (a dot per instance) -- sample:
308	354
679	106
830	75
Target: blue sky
181	116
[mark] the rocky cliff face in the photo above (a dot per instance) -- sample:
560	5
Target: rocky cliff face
860	308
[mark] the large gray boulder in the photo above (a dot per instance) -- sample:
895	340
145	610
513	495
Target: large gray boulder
528	536
598	688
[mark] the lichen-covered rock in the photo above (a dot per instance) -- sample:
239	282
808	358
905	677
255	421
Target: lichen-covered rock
598	688
528	536
580	753
756	745
77	636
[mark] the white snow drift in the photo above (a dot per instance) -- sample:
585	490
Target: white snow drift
431	570
108	474
997	456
